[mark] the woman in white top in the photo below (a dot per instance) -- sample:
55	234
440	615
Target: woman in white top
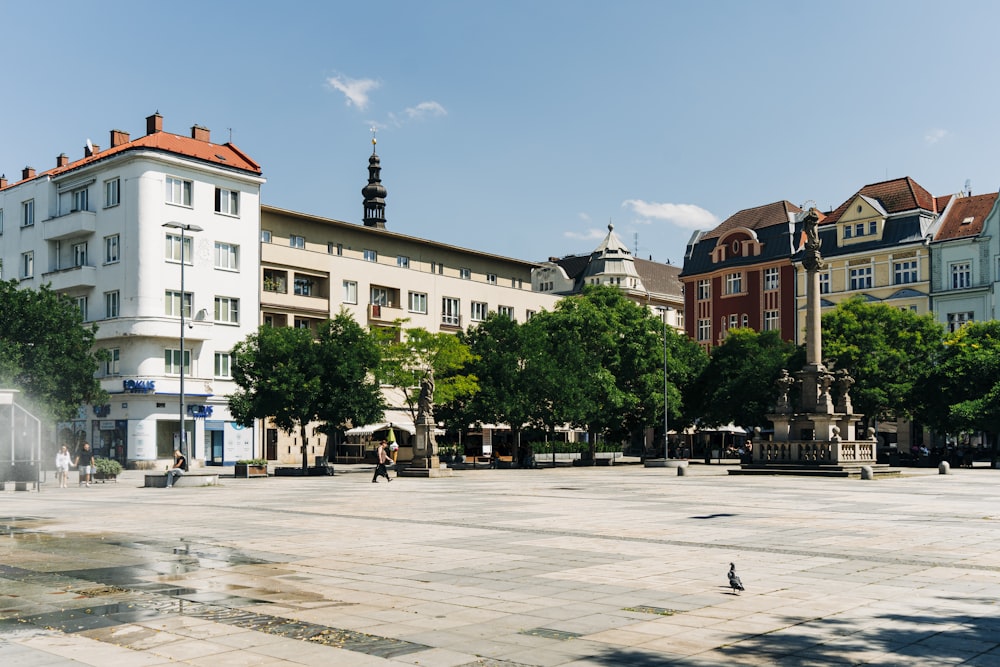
63	459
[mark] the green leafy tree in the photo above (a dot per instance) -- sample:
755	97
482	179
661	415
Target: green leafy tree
959	389
884	349
410	355
596	360
47	352
737	385
285	374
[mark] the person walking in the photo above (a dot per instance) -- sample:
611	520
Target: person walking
383	458
180	466
85	464
63	462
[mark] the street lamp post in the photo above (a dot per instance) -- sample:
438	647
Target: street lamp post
666	442
182	444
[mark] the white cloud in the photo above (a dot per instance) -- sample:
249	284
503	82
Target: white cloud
935	135
687	216
589	235
355	90
425	109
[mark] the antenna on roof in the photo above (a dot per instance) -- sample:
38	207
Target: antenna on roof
635	242
230	134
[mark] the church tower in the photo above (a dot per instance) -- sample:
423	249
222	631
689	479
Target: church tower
374	193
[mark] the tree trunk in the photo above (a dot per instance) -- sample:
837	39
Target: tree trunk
305	458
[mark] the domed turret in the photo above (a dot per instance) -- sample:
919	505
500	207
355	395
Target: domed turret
374	193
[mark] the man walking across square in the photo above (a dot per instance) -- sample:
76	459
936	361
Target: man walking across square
383	457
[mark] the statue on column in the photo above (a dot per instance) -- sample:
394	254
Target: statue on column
425	403
810	223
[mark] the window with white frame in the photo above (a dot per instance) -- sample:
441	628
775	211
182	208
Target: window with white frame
704	290
465	273
81	304
704	329
824	282
479	311
734	283
350	291
861	278
172	362
418	302
112	303
79	254
112	192
81	200
379	296
223	365
872	227
770	320
451	311
957	320
179	191
402	261
265	236
905	272
528	314
680	319
771	278
227	202
172	303
173	248
296	241
848	231
112	364
506	311
112	249
734	321
227	310
491	278
744	320
28	213
227	256
370	255
961	275
27	264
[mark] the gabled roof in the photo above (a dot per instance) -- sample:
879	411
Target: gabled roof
222	155
895	196
756	218
965	216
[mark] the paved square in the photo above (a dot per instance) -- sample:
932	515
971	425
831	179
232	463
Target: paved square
504	568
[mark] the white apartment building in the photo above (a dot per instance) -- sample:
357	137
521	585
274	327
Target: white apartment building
110	230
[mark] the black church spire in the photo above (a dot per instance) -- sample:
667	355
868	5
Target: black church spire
374	192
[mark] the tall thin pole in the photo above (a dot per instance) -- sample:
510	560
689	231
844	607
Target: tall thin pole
666	441
182	439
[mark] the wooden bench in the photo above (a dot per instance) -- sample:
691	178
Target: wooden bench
191	478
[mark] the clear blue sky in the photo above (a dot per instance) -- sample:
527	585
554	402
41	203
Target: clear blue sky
521	127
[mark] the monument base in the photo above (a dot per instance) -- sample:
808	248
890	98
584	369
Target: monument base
817	470
424	471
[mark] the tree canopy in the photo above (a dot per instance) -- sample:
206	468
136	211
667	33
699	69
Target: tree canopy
959	388
884	349
737	385
287	375
47	352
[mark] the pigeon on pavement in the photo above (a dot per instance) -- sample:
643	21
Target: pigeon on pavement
734	579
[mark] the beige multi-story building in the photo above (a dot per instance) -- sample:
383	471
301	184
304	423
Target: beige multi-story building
313	267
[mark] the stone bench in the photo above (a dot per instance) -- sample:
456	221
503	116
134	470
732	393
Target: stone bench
191	478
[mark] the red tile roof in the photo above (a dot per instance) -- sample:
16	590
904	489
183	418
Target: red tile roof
965	217
223	155
900	194
755	218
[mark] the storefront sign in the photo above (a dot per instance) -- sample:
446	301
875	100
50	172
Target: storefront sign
139	386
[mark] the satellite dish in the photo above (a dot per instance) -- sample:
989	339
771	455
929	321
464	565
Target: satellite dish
90	146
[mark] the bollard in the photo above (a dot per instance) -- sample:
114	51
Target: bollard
867	472
682	471
944	468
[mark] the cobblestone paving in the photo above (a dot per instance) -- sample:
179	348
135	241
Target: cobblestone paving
505	568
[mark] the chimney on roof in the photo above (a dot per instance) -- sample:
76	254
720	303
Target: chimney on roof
91	149
62	160
118	138
3	181
200	133
154	123
27	172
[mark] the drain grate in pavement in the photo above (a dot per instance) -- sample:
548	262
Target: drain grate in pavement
549	633
660	611
350	640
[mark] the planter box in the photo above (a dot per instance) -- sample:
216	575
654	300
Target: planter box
244	470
